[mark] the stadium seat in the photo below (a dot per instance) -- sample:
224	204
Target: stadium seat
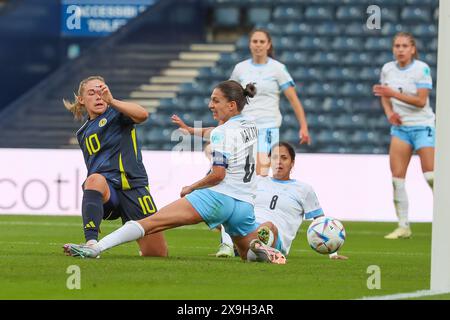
289	135
298	29
425	31
336	106
242	43
275	28
319	13
415	14
370	74
312	43
340	73
389	14
294	57
321	89
389	29
227	16
347	44
311	105
350	13
431	59
357	58
436	14
364	137
423	2
256	15
324	58
365	105
284	42
306	74
378	44
290	13
382	58
326	28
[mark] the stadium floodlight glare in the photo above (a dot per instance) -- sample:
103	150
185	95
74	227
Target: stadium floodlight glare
440	248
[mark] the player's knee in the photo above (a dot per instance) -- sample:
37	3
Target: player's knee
95	182
161	252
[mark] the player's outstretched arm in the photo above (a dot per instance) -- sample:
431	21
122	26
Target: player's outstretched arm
201	132
136	112
291	95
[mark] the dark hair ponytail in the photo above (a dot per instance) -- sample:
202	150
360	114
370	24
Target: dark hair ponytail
233	91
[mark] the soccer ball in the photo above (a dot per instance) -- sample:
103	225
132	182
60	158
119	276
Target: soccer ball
326	235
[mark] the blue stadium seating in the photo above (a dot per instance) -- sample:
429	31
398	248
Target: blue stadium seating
415	14
258	15
288	13
350	13
315	13
334	60
227	16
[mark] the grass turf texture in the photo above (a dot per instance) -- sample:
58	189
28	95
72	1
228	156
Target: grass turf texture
34	267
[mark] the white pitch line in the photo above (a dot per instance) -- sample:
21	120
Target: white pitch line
408	295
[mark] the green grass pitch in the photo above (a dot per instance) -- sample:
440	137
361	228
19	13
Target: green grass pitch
33	265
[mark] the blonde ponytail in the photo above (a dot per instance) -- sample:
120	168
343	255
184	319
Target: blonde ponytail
76	107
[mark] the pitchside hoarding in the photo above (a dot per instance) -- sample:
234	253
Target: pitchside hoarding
349	187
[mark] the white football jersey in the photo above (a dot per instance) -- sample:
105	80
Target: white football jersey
407	80
233	145
270	79
285	204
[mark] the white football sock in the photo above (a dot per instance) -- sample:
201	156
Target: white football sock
429	176
226	237
401	201
130	231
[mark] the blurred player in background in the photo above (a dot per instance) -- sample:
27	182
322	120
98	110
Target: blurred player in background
404	90
117	183
224	196
270	78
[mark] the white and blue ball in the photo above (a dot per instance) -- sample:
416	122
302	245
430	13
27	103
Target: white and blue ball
326	235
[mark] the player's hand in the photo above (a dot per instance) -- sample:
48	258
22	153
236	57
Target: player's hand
177	120
395	119
383	91
105	94
304	136
186	190
338	257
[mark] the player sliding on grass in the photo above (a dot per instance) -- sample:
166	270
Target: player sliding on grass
404	89
280	199
117	183
224	196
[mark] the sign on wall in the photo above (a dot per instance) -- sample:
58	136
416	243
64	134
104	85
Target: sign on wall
94	18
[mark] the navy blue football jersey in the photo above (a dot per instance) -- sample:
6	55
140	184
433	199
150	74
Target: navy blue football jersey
110	148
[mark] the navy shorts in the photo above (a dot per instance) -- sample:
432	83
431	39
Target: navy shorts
133	204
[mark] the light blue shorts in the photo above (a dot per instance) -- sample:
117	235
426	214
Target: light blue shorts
267	137
417	136
237	217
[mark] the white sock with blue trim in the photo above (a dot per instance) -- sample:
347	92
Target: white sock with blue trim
130	231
